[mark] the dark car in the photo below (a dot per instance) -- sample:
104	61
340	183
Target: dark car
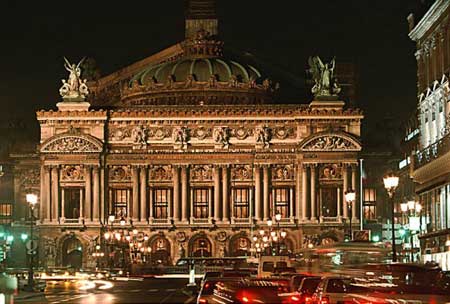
307	287
208	285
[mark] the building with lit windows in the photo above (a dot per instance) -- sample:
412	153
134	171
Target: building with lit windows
190	148
431	169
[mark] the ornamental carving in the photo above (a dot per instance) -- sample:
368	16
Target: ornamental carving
181	137
120	134
243	172
222	137
201	173
161	173
71	144
330	171
119	173
221	236
241	133
331	143
282	172
139	136
29	178
202	133
72	173
160	133
263	136
283	132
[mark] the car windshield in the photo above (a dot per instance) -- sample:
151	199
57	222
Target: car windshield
309	285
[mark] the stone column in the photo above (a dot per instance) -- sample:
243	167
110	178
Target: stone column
96	194
184	194
152	202
304	192
47	190
176	193
80	216
338	195
63	207
143	176
55	193
43	195
344	189
88	193
298	192
291	203
210	203
225	196
216	193
258	193
135	182
266	192
102	193
356	192
313	192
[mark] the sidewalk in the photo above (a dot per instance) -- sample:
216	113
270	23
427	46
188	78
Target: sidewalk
22	295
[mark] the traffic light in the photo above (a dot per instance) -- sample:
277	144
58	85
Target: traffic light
402	232
9	239
24	236
375	238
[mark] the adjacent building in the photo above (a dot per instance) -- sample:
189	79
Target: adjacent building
431	166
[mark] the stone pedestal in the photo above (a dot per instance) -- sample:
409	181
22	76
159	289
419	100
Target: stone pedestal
73	105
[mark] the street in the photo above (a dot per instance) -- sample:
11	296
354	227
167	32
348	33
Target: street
149	290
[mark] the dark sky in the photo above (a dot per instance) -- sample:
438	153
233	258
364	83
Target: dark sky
35	36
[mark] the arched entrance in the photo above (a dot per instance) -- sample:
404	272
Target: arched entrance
240	245
72	253
200	246
160	254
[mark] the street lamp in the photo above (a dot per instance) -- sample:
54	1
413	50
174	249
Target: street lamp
390	183
411	210
32	201
350	196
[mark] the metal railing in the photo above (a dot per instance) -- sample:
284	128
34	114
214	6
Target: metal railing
432	152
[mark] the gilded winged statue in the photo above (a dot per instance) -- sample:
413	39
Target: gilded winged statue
325	83
74	87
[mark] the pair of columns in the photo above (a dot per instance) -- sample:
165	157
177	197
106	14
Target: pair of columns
52	207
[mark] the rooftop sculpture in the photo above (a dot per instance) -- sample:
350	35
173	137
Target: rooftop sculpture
74	89
325	82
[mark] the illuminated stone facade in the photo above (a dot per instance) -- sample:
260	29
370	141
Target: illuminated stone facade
189	147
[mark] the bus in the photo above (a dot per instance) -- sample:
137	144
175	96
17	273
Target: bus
341	256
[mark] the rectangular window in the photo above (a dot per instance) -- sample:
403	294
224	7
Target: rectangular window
370	212
433	116
5	213
120	200
370	195
71	203
201	202
281	202
426	116
160	203
241	202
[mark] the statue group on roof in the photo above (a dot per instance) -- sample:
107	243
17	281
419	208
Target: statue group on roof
325	82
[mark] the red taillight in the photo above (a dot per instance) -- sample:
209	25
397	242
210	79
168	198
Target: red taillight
206	286
245	299
308	300
324	300
203	301
294	299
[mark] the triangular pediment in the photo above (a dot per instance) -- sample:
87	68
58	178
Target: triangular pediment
330	142
72	143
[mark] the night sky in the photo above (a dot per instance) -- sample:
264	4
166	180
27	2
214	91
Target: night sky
37	34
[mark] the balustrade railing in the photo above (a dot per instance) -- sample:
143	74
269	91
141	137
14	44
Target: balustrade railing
433	151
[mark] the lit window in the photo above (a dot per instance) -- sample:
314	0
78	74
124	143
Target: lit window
370	199
72	203
281	202
5	213
160	203
120	199
241	202
201	203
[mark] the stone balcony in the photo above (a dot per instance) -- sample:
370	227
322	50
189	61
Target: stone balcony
432	152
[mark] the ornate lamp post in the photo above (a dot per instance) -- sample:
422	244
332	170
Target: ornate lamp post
32	201
266	239
412	209
390	183
350	198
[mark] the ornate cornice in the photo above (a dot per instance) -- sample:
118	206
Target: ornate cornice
429	19
64	115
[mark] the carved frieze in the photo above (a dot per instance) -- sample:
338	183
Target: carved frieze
71	144
241	133
161	173
159	133
202	132
331	143
72	173
281	172
201	173
283	132
181	137
241	172
139	136
120	174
